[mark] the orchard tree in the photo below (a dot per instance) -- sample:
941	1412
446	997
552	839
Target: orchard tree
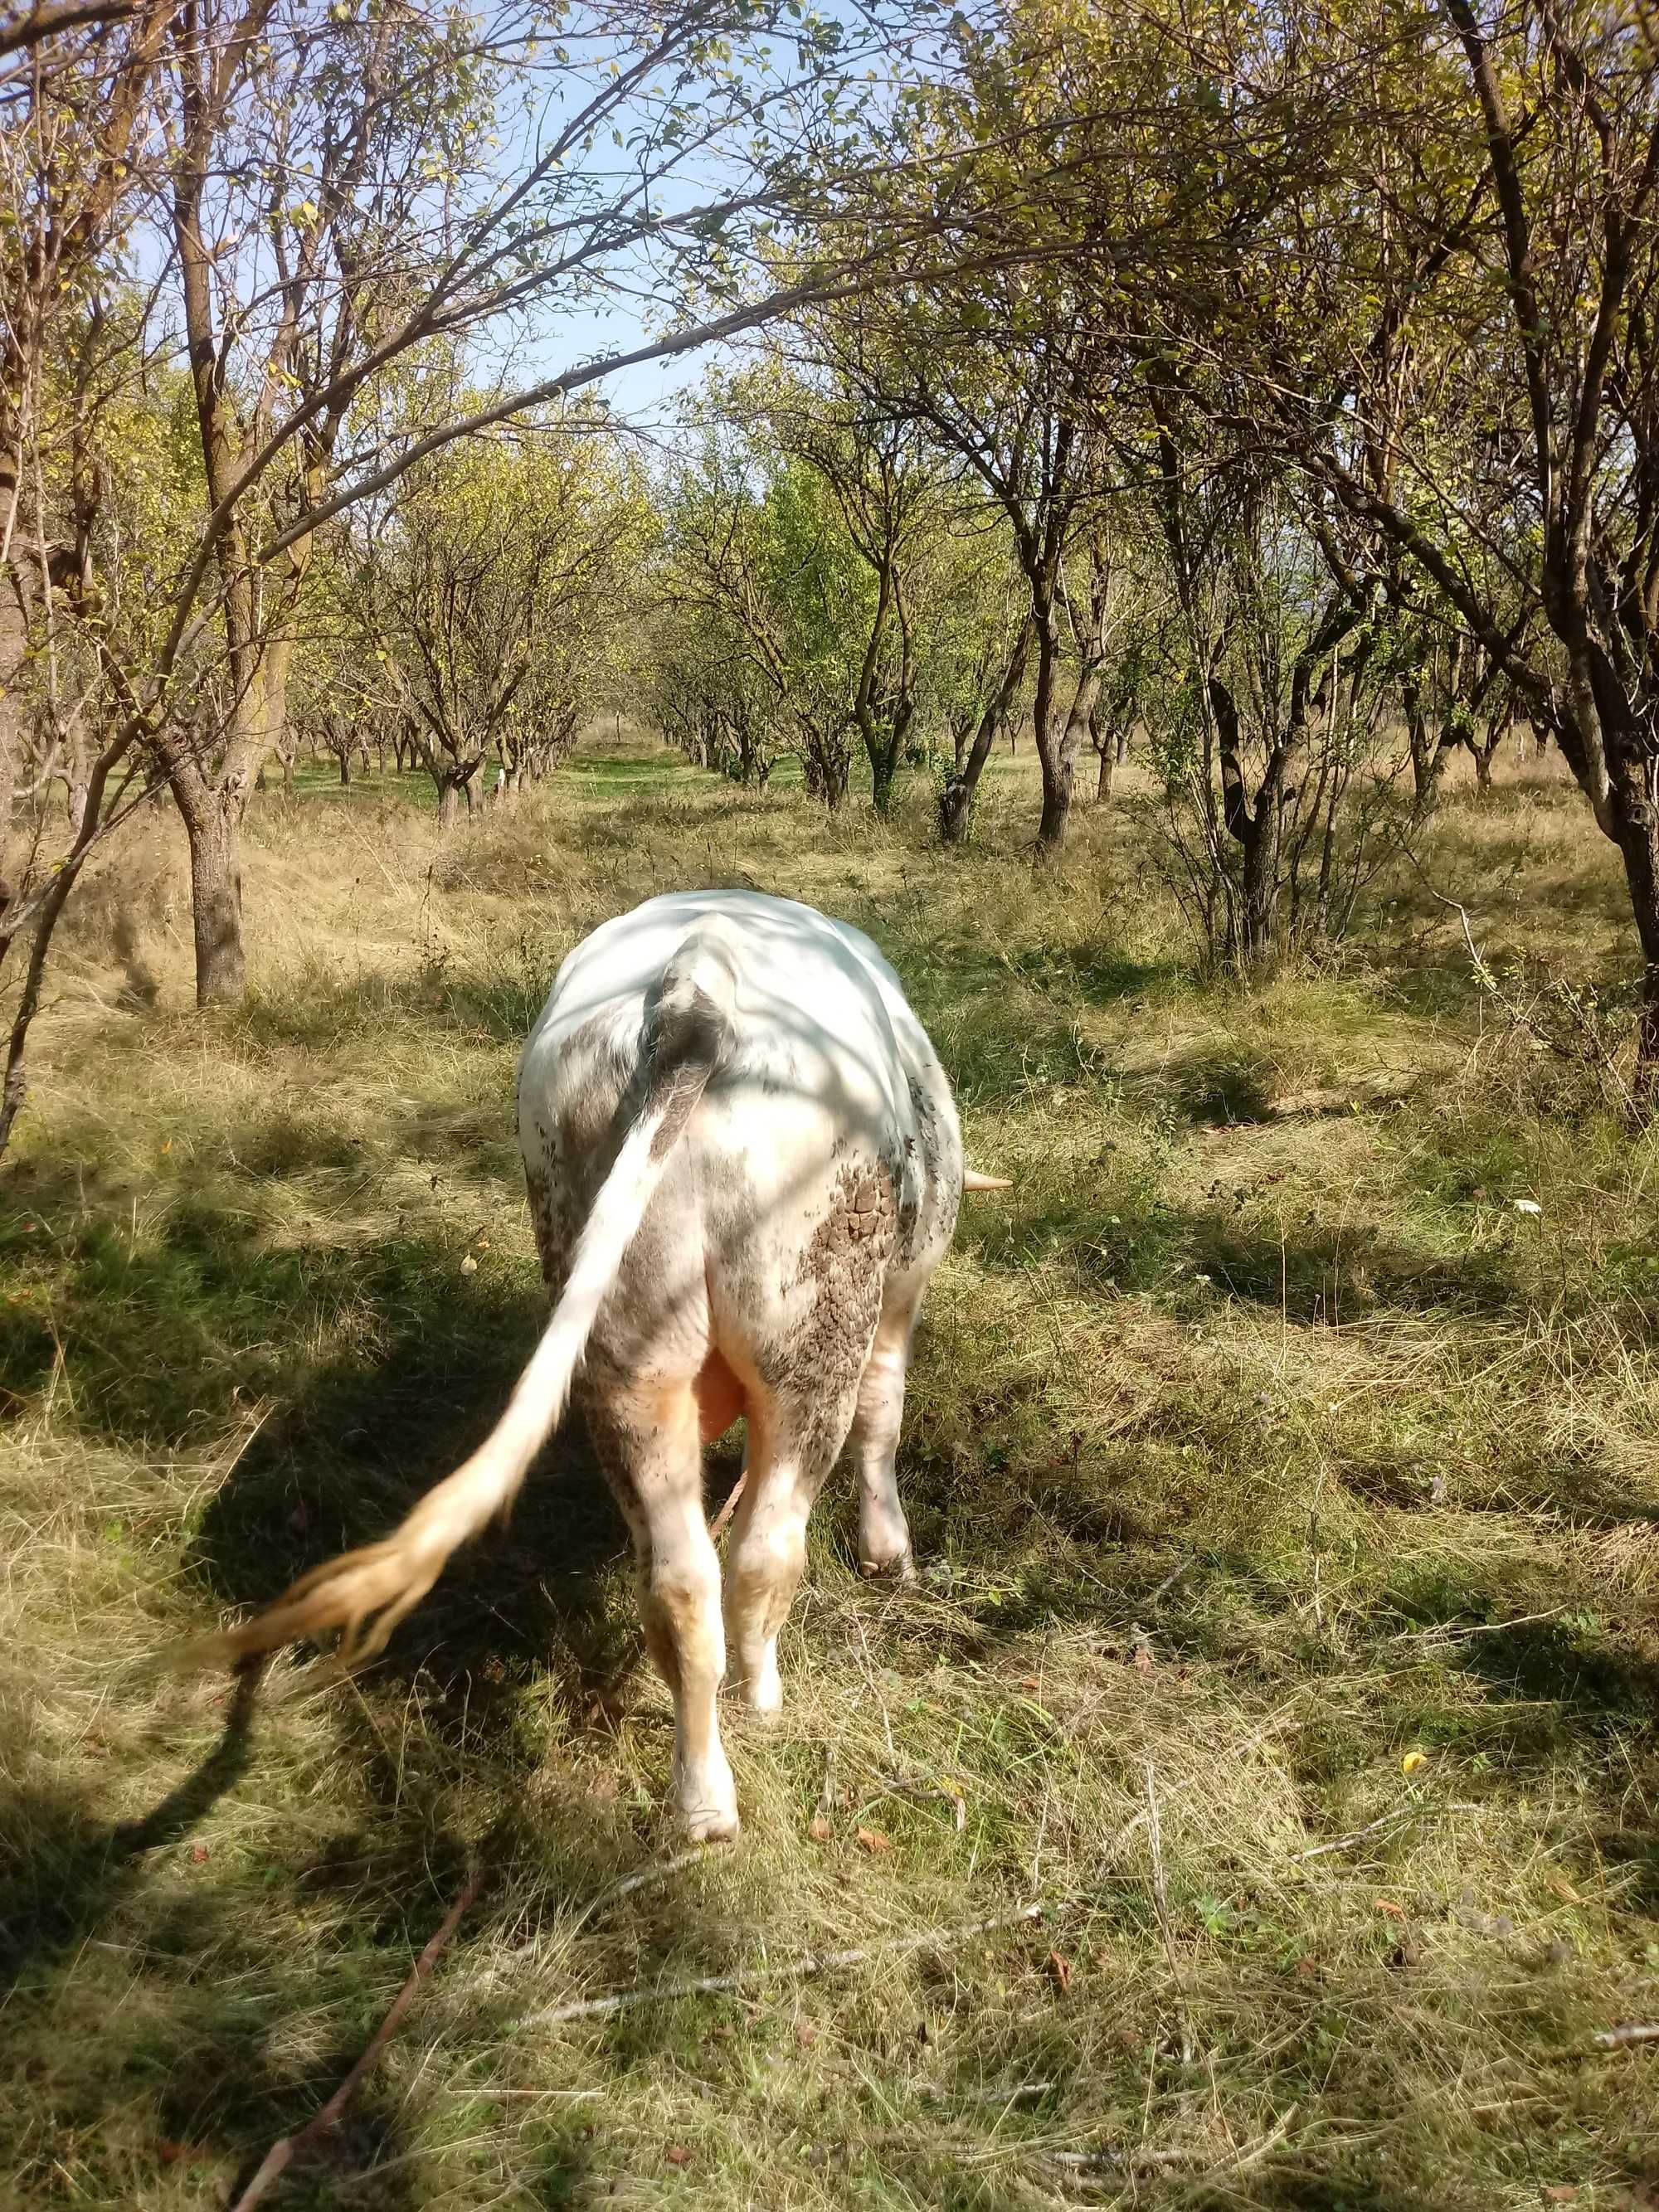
755	540
484	594
710	695
1416	262
319	191
887	491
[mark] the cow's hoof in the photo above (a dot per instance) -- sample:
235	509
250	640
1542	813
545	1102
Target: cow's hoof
711	1824
900	1569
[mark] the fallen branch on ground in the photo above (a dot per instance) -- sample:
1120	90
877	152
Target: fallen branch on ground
1080	2162
1618	2038
281	2153
1392	1819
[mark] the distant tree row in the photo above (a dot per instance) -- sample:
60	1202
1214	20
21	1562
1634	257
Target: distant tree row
1272	390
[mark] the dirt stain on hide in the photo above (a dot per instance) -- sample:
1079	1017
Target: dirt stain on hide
844	1267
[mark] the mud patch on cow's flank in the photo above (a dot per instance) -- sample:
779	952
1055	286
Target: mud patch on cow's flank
844	1270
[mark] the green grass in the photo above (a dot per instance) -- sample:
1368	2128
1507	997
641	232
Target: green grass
1257	1446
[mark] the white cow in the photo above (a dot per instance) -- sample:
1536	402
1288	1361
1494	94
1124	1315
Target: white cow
744	1164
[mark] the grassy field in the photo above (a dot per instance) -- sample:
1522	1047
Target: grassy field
1286	1498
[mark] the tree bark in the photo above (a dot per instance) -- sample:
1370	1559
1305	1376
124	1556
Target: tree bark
1103	783
1056	741
1255	831
213	823
14	654
956	804
1080	717
1636	828
883	774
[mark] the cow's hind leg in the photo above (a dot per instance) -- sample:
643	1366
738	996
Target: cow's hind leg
792	1448
647	1437
884	1532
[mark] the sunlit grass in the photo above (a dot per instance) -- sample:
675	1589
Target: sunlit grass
1257	1446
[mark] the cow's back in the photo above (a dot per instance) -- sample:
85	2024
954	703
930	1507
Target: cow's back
824	1155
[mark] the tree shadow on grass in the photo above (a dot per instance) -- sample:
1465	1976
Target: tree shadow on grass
210	2059
1130	1240
75	1879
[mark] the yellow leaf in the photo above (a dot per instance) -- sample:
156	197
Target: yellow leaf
1412	1761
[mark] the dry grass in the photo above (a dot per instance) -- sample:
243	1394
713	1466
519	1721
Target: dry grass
1256	1446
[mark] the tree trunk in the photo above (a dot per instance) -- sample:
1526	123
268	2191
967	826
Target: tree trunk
1428	749
1103	783
1080	717
1258	889
213	825
1634	823
13	660
1256	830
955	802
449	802
884	770
1059	758
1056	742
345	768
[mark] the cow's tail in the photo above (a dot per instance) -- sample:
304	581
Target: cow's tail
365	1594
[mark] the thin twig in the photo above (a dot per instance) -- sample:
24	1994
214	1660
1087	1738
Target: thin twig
1161	1906
1154	2161
488	2093
1617	2039
786	1970
1170	1581
659	1871
282	2153
1483	974
1043	1830
870	1677
1449	1635
1346	1843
